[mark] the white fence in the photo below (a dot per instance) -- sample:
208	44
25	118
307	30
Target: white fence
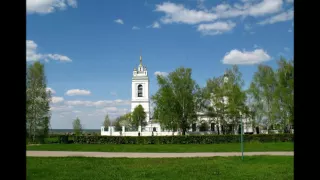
111	132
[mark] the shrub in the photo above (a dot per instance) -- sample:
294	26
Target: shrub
63	139
51	140
205	139
37	140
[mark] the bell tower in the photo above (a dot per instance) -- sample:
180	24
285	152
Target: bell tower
140	89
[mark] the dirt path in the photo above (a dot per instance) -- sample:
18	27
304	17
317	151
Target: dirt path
148	155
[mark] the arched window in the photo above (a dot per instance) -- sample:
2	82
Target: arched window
140	90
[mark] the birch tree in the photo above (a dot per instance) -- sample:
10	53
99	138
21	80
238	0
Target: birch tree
106	122
37	102
216	93
139	116
77	127
283	98
263	89
175	100
235	97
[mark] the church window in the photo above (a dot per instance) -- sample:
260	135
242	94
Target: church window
212	126
140	90
194	127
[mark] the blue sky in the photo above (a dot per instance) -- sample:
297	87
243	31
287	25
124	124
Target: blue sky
90	48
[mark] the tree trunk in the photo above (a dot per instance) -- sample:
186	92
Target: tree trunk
183	131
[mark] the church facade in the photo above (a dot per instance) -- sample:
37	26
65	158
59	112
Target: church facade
141	96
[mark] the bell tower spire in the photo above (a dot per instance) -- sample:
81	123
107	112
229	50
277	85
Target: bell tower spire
140	60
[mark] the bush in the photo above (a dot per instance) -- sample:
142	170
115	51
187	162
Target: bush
51	140
63	139
38	140
205	139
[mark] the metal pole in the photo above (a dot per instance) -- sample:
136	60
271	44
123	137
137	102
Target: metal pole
241	137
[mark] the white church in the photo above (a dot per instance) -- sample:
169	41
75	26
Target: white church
141	96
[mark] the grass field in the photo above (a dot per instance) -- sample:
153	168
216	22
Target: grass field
224	168
231	147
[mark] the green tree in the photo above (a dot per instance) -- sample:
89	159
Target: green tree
37	102
263	88
216	93
235	97
117	125
255	110
283	98
139	116
124	120
164	110
106	122
77	127
175	100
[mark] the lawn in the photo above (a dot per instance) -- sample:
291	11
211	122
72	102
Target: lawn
224	168
230	147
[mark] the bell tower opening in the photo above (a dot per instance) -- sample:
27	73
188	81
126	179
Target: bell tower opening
140	90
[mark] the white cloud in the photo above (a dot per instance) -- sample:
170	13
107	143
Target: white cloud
247	27
76	111
253	9
216	28
246	57
101	103
135	28
113	112
177	13
51	90
154	25
72	3
265	7
120	101
78	92
284	16
289	1
110	109
48	6
119	21
57	57
286	49
159	73
56	99
62	108
88	103
33	55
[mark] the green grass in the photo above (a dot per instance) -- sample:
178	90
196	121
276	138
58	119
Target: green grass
231	147
224	168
